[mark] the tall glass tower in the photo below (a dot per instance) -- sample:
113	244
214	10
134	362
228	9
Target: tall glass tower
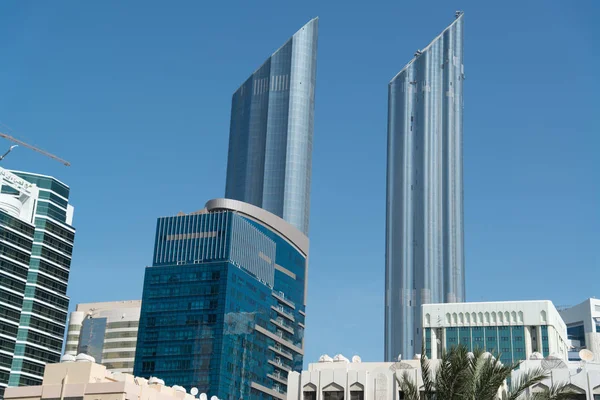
271	131
424	221
35	258
223	304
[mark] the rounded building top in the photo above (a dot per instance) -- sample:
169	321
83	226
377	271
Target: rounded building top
291	233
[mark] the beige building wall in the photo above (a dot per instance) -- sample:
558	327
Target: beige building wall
84	380
120	336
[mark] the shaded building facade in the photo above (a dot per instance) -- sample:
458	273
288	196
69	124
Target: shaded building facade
424	201
271	131
223	304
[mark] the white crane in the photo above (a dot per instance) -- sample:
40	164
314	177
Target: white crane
21	143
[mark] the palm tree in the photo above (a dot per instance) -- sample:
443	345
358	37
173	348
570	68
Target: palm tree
461	375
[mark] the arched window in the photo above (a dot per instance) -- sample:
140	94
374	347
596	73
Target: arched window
309	392
333	392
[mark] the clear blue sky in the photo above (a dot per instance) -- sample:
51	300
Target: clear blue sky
137	95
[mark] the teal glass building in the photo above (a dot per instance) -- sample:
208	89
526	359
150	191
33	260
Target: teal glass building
514	331
223	303
424	258
271	132
35	259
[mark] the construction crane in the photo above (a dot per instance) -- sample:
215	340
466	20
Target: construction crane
21	143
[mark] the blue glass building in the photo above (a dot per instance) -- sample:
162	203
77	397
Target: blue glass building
424	205
223	303
271	131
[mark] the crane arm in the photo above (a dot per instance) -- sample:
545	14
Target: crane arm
21	143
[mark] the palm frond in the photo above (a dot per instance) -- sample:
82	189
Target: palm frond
427	376
561	391
408	387
491	375
452	374
524	381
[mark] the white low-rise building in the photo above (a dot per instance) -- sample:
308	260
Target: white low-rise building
513	329
583	378
339	378
583	328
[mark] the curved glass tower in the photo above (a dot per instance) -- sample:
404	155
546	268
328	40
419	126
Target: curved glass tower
271	131
223	306
424	221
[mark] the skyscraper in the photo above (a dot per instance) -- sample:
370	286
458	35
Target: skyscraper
223	303
424	204
35	258
271	132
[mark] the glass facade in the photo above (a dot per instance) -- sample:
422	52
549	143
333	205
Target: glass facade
222	307
91	338
15	253
106	331
271	131
576	331
506	341
35	258
424	217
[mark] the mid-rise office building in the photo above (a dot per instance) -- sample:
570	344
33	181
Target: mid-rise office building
271	133
80	378
583	328
106	331
35	258
223	303
515	330
424	259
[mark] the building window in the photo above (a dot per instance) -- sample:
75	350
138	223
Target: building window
357	395
337	395
576	332
310	395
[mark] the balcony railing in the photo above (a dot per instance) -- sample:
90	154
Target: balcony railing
280	349
278	377
281	297
281	323
281	310
277	362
